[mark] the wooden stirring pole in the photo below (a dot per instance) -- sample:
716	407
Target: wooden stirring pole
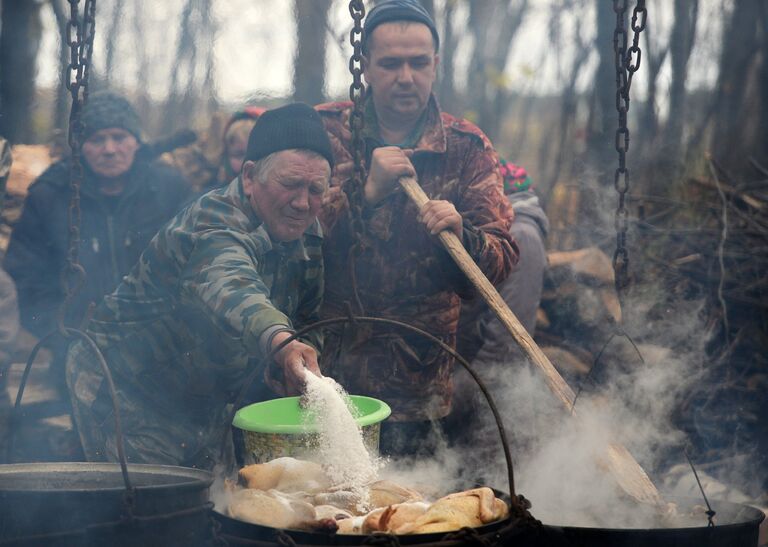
628	473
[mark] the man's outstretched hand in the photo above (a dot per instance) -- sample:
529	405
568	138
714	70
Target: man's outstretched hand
295	359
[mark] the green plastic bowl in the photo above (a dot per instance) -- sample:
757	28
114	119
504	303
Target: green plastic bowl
276	428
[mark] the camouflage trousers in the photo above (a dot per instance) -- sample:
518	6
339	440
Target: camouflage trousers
152	432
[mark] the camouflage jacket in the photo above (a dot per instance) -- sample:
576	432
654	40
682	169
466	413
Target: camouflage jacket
182	331
402	272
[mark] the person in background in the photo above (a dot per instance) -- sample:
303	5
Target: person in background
400	271
483	341
123	202
482	338
216	291
236	140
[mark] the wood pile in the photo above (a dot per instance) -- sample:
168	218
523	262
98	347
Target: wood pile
703	245
29	162
579	309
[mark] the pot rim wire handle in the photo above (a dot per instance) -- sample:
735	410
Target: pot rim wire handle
16	413
519	504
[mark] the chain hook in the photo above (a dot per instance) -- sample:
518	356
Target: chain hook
627	62
353	188
79	35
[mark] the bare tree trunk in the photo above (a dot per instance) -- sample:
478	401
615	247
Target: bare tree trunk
309	61
681	45
111	36
654	56
493	27
62	104
601	127
762	155
447	84
19	43
555	157
739	107
178	107
209	86
143	67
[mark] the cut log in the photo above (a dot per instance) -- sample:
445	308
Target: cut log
590	262
29	162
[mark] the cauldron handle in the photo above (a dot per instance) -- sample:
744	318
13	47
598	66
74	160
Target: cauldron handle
382	321
74	333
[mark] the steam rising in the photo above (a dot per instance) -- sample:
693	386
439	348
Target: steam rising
557	458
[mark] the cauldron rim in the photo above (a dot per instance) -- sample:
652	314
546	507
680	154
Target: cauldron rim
311	537
190	477
757	516
749	516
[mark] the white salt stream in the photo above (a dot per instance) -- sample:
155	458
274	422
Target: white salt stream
341	450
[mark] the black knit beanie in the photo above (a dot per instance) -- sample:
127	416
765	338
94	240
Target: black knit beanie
105	110
295	125
398	10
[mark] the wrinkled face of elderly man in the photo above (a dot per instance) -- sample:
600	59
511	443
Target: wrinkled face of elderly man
286	190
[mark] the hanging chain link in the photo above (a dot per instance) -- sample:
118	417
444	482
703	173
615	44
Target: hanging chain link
79	36
353	188
627	61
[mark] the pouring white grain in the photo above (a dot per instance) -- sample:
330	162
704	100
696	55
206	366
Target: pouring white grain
341	450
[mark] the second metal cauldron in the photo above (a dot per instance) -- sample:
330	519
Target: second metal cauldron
84	504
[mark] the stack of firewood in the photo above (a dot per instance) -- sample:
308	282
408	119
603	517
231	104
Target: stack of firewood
29	161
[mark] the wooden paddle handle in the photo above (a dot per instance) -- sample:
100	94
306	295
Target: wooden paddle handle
453	245
629	474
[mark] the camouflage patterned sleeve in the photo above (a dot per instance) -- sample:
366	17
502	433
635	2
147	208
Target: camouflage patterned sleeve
489	215
221	275
309	307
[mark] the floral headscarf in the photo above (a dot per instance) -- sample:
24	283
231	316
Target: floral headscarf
516	178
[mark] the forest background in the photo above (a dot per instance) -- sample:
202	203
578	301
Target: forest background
539	77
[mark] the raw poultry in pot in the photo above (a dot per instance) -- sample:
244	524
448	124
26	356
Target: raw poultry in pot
295	494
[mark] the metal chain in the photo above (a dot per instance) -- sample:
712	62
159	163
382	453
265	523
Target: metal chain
627	62
353	187
79	35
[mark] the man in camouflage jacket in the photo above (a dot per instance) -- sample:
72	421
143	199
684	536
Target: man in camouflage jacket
401	272
218	288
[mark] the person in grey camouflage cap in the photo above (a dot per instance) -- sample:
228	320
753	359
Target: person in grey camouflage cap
215	292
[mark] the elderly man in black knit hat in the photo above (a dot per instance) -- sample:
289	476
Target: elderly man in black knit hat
219	287
123	202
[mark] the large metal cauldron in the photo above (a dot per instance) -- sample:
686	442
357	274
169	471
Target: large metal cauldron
236	532
90	504
737	526
85	504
